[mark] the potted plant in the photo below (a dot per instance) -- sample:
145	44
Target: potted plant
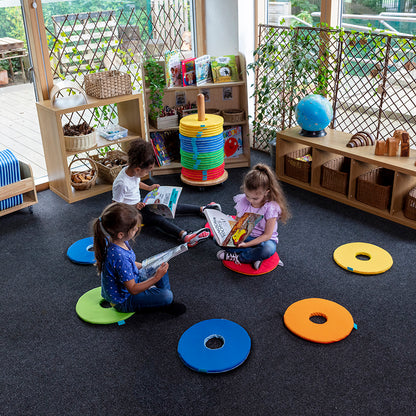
4	76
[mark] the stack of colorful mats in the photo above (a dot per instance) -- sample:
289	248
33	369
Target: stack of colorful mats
9	173
202	147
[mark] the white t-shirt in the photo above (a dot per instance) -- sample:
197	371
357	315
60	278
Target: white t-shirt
126	188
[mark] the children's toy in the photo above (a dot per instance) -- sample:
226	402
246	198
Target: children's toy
202	147
244	268
379	260
337	326
91	308
361	138
195	351
82	252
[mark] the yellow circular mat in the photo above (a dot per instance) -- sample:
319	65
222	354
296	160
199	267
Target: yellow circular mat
190	126
379	260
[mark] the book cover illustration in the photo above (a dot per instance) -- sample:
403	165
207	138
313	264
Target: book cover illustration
203	70
224	69
159	148
151	264
229	232
173	69
233	142
188	72
163	200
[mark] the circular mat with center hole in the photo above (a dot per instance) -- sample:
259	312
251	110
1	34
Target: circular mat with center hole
89	308
337	326
195	350
246	268
82	252
379	260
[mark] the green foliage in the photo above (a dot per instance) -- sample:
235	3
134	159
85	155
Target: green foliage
155	80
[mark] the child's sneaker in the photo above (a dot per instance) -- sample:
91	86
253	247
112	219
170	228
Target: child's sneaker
194	238
257	264
212	205
225	255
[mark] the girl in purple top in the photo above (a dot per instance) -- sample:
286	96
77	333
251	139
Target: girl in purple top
262	195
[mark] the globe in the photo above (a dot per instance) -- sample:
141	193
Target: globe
313	113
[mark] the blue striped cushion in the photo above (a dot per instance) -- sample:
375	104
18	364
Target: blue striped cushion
9	173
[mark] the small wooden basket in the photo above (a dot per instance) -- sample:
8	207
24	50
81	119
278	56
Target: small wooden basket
374	188
298	169
410	205
106	173
84	185
232	115
78	143
107	84
335	173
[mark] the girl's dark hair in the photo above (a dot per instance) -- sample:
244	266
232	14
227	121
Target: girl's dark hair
115	218
141	154
261	176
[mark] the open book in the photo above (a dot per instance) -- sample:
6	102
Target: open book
151	264
163	200
229	232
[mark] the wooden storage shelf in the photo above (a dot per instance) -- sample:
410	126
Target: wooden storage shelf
130	116
25	186
239	100
363	160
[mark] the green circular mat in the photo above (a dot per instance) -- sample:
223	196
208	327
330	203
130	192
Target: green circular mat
89	309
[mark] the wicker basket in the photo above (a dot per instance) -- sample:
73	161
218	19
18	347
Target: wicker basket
106	173
78	143
374	188
107	84
84	185
233	115
215	111
410	205
335	173
298	169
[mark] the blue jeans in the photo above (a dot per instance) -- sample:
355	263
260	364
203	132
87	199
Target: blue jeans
154	297
260	252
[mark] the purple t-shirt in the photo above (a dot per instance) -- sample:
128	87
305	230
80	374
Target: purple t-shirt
270	209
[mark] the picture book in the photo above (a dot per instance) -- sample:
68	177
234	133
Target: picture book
224	68
159	148
173	69
203	70
229	232
163	200
151	264
188	72
233	142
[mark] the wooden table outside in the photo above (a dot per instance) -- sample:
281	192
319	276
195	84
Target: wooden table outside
13	48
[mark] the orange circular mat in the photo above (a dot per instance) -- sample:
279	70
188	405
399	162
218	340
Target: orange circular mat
338	325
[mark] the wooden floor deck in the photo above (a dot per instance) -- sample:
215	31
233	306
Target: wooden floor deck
20	127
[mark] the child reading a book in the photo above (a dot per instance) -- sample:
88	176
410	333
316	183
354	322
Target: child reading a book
124	284
126	189
262	195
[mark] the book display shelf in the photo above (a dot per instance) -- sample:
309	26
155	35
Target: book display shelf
130	116
219	96
290	144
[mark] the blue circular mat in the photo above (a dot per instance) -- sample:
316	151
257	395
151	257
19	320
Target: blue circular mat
79	251
193	351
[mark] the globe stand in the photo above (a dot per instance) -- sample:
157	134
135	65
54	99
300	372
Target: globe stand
318	133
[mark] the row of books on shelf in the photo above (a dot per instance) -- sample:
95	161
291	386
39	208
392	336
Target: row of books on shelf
166	144
199	71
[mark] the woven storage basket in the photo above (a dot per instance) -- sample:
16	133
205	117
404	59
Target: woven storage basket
374	187
335	173
215	111
410	205
85	185
107	84
108	174
233	115
298	169
82	142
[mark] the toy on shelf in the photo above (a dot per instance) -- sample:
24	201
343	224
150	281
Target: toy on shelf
202	147
391	146
361	138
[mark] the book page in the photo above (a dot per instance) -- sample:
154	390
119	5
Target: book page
163	200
